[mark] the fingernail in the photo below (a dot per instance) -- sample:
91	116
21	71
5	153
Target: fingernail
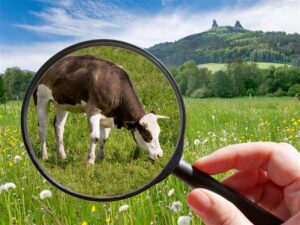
199	202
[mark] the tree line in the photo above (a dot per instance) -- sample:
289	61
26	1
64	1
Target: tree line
238	79
13	83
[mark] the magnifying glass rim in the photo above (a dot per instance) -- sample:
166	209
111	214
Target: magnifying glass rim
170	166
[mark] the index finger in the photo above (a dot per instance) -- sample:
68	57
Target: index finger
281	161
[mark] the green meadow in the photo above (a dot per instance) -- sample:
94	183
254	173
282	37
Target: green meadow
214	122
214	67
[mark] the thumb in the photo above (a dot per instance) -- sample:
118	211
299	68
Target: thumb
214	209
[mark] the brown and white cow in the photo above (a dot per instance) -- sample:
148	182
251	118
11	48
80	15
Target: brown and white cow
102	90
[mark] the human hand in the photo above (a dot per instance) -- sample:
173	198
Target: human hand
267	173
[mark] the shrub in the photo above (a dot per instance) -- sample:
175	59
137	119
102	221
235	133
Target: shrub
294	90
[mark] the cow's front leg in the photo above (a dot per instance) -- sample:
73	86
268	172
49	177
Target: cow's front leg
59	124
104	132
94	125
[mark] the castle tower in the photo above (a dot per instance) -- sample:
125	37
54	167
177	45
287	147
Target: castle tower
214	24
238	25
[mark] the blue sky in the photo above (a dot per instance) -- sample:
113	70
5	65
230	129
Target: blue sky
31	31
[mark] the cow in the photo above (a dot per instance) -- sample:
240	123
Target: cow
104	92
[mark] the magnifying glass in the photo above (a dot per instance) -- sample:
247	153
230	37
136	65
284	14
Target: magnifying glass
103	120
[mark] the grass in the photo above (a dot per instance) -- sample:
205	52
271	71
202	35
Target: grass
218	121
222	66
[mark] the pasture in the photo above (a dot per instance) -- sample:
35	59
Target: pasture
214	122
214	67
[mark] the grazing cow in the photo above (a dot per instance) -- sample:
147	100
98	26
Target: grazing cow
102	90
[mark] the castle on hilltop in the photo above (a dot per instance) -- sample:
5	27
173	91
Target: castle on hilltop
236	25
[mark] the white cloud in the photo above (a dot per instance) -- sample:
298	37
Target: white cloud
84	20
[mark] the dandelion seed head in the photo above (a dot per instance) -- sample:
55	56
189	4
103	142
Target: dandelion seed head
45	194
176	206
123	208
184	220
17	159
196	142
7	186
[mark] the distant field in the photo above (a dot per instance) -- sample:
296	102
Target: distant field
222	66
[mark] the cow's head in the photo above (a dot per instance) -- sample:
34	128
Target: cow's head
146	135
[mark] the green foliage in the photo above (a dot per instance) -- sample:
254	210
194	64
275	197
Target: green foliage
224	44
294	90
237	78
221	84
2	91
16	82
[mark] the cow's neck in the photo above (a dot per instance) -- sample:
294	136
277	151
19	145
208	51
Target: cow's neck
131	109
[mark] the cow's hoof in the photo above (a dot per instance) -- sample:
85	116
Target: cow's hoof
90	162
62	155
45	157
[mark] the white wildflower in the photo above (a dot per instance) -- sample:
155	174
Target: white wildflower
184	220
286	139
17	159
171	192
7	187
176	206
123	208
45	194
213	117
196	142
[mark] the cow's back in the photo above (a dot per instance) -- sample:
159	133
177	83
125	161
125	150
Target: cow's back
82	78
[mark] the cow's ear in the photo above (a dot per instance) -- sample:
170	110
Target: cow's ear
145	133
130	125
107	122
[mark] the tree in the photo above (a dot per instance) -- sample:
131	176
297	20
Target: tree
294	90
221	84
2	91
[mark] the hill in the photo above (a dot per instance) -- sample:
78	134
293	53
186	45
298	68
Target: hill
222	44
213	67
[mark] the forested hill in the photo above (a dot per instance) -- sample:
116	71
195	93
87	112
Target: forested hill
228	43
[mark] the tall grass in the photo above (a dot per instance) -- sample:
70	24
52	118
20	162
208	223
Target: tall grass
215	122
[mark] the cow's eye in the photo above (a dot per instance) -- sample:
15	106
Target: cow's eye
145	133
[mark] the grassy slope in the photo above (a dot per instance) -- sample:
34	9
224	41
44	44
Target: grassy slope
222	66
220	121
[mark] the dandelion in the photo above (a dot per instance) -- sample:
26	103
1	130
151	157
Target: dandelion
7	187
84	223
17	159
184	220
93	208
45	194
107	220
176	206
196	142
171	192
123	208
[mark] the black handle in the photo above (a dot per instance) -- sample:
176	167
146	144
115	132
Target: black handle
198	179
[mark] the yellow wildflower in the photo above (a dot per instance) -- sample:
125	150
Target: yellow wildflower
93	208
107	220
84	223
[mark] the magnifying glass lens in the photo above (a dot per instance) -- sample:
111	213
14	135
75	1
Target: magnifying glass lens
102	121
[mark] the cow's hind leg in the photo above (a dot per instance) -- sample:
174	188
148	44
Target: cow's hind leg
104	132
59	124
94	125
42	111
